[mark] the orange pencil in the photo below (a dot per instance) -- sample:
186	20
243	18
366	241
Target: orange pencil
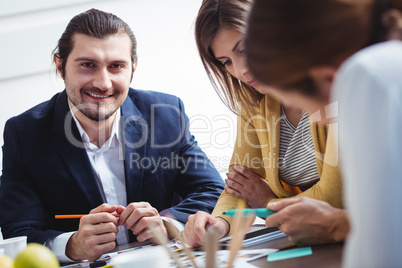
76	216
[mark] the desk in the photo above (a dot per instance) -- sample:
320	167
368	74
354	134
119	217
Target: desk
328	256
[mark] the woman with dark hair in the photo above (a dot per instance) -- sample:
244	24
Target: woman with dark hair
348	54
279	151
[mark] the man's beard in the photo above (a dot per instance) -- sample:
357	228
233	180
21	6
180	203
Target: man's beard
93	111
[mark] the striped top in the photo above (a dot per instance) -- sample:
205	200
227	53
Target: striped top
297	158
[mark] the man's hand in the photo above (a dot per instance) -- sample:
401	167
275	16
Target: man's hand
96	234
195	230
138	217
248	186
308	221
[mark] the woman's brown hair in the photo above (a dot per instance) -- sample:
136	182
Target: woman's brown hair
213	15
285	38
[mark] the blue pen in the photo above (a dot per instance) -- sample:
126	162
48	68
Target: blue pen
260	212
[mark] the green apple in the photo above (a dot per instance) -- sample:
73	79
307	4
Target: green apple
36	256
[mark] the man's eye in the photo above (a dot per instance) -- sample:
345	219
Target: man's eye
88	64
116	66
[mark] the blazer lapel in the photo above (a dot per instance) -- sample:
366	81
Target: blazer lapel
68	143
134	130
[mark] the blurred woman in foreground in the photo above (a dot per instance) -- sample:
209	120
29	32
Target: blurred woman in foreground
335	53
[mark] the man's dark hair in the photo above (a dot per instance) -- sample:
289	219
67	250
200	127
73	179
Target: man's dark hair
94	23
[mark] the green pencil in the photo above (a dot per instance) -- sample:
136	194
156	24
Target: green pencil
260	212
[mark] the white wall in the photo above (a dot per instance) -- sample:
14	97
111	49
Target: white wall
168	60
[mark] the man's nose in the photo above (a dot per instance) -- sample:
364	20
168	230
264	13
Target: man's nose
102	80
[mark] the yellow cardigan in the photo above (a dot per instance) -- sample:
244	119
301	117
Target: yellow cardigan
258	140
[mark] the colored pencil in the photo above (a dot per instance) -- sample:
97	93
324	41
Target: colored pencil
76	216
260	212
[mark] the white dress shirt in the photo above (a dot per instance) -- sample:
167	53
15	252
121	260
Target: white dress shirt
368	87
108	167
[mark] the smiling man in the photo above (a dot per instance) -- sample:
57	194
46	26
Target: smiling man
100	147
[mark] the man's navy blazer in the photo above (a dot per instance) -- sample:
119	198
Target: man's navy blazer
46	170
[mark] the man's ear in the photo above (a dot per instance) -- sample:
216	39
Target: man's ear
59	64
135	65
323	76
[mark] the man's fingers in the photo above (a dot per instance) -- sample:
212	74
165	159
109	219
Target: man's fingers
140	213
139	205
96	234
144	235
105	238
96	251
98	229
102	213
103	208
145	222
120	209
134	208
97	218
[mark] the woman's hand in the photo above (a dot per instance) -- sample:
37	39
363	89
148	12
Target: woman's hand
308	221
248	186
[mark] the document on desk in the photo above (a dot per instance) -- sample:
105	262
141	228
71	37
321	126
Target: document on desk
243	258
257	235
107	257
260	235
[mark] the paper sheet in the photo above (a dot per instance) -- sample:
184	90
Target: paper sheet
242	260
